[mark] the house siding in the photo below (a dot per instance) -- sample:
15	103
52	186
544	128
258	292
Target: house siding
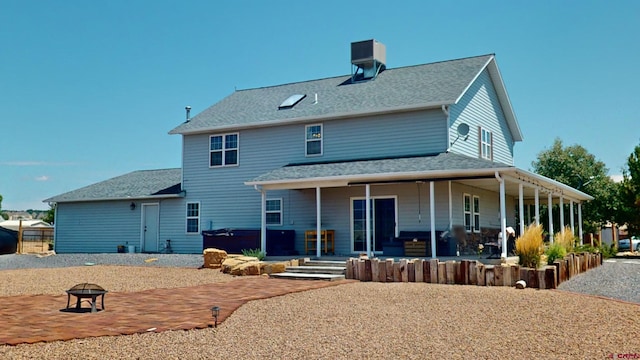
480	107
227	203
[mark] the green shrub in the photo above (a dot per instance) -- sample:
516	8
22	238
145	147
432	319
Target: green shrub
529	246
554	252
255	253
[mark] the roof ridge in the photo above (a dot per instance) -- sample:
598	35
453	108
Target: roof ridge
349	75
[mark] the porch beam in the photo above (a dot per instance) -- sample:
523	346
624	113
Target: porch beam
318	224
432	215
550	205
263	222
368	218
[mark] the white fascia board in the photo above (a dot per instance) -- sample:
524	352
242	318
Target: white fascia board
474	79
308	119
492	66
555	187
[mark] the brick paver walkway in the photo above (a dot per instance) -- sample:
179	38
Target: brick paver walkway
35	318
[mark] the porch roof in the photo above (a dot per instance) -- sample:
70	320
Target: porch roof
435	167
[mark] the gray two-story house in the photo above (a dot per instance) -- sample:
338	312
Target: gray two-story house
347	164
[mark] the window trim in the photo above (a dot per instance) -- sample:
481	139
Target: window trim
307	141
266	211
482	144
225	149
187	217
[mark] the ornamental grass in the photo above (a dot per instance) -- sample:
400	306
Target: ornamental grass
530	247
566	239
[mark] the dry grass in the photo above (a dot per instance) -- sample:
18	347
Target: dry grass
530	247
565	238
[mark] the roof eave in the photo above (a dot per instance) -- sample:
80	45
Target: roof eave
128	198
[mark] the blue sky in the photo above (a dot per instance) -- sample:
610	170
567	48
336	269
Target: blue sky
89	90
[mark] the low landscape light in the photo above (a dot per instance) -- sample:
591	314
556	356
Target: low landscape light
215	311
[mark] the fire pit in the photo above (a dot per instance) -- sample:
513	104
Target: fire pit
86	291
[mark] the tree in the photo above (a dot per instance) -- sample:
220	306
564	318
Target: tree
629	193
2	214
50	217
576	167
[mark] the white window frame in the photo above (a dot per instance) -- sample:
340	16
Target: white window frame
197	217
279	211
468	225
224	150
486	147
475	213
307	140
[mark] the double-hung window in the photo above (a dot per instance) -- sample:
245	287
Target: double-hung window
223	150
313	140
274	211
486	144
471	208
193	218
476	213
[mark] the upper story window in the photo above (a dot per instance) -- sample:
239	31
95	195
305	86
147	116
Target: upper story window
313	140
486	144
193	218
274	211
223	150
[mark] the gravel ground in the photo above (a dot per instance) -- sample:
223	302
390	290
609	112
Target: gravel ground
365	321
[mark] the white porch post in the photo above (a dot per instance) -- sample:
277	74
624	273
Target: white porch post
571	218
503	219
537	206
561	213
432	214
263	222
521	207
550	202
368	218
318	224
580	223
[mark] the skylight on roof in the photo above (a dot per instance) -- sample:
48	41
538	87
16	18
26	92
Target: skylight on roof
292	101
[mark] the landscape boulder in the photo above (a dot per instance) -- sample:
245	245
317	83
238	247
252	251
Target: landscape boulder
213	258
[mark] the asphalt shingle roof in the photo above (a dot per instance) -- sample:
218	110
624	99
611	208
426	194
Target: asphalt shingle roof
431	84
136	184
439	162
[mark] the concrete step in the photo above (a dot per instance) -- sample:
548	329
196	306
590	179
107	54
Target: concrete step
325	263
336	270
305	276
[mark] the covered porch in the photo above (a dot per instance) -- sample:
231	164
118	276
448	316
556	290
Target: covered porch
438	186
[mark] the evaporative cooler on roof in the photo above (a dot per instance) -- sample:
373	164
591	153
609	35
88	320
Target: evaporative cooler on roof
368	59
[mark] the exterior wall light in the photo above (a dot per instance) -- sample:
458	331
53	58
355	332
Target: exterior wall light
132	206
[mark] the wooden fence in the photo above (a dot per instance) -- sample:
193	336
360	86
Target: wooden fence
34	239
470	272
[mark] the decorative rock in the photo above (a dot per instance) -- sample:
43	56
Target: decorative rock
521	284
213	258
247	268
233	265
273	268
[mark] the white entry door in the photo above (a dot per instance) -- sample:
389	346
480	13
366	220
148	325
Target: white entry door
150	224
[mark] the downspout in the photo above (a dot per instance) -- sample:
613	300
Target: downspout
446	112
503	216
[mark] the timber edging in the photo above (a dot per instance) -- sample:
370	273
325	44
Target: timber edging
470	272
